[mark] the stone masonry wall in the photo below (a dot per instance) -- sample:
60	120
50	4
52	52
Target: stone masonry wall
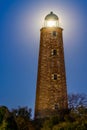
51	91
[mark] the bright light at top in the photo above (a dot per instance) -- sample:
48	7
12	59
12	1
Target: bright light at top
51	20
51	23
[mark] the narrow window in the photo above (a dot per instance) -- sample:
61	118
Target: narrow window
54	76
54	52
56	106
54	33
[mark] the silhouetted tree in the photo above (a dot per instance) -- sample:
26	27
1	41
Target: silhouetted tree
77	100
22	117
7	121
22	112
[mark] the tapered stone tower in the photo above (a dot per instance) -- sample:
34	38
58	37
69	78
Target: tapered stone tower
51	90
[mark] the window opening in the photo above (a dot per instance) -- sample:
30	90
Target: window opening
56	106
54	33
54	76
54	52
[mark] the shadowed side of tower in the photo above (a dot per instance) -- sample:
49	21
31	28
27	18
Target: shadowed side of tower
51	91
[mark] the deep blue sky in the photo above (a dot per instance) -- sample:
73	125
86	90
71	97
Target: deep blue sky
20	23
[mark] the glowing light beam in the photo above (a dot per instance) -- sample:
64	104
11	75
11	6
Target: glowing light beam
51	23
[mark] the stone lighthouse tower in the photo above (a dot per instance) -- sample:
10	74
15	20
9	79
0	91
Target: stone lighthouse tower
51	90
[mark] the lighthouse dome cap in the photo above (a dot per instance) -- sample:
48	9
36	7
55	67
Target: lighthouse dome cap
51	16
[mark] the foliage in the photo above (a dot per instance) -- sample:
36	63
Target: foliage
22	112
3	126
72	121
7	120
22	117
17	119
3	113
75	118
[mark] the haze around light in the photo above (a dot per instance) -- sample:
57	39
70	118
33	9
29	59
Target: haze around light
20	24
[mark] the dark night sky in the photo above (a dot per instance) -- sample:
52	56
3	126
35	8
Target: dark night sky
20	23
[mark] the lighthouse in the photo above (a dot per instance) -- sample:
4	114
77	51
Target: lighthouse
51	88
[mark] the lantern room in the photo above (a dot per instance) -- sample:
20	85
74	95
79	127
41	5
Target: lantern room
51	20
